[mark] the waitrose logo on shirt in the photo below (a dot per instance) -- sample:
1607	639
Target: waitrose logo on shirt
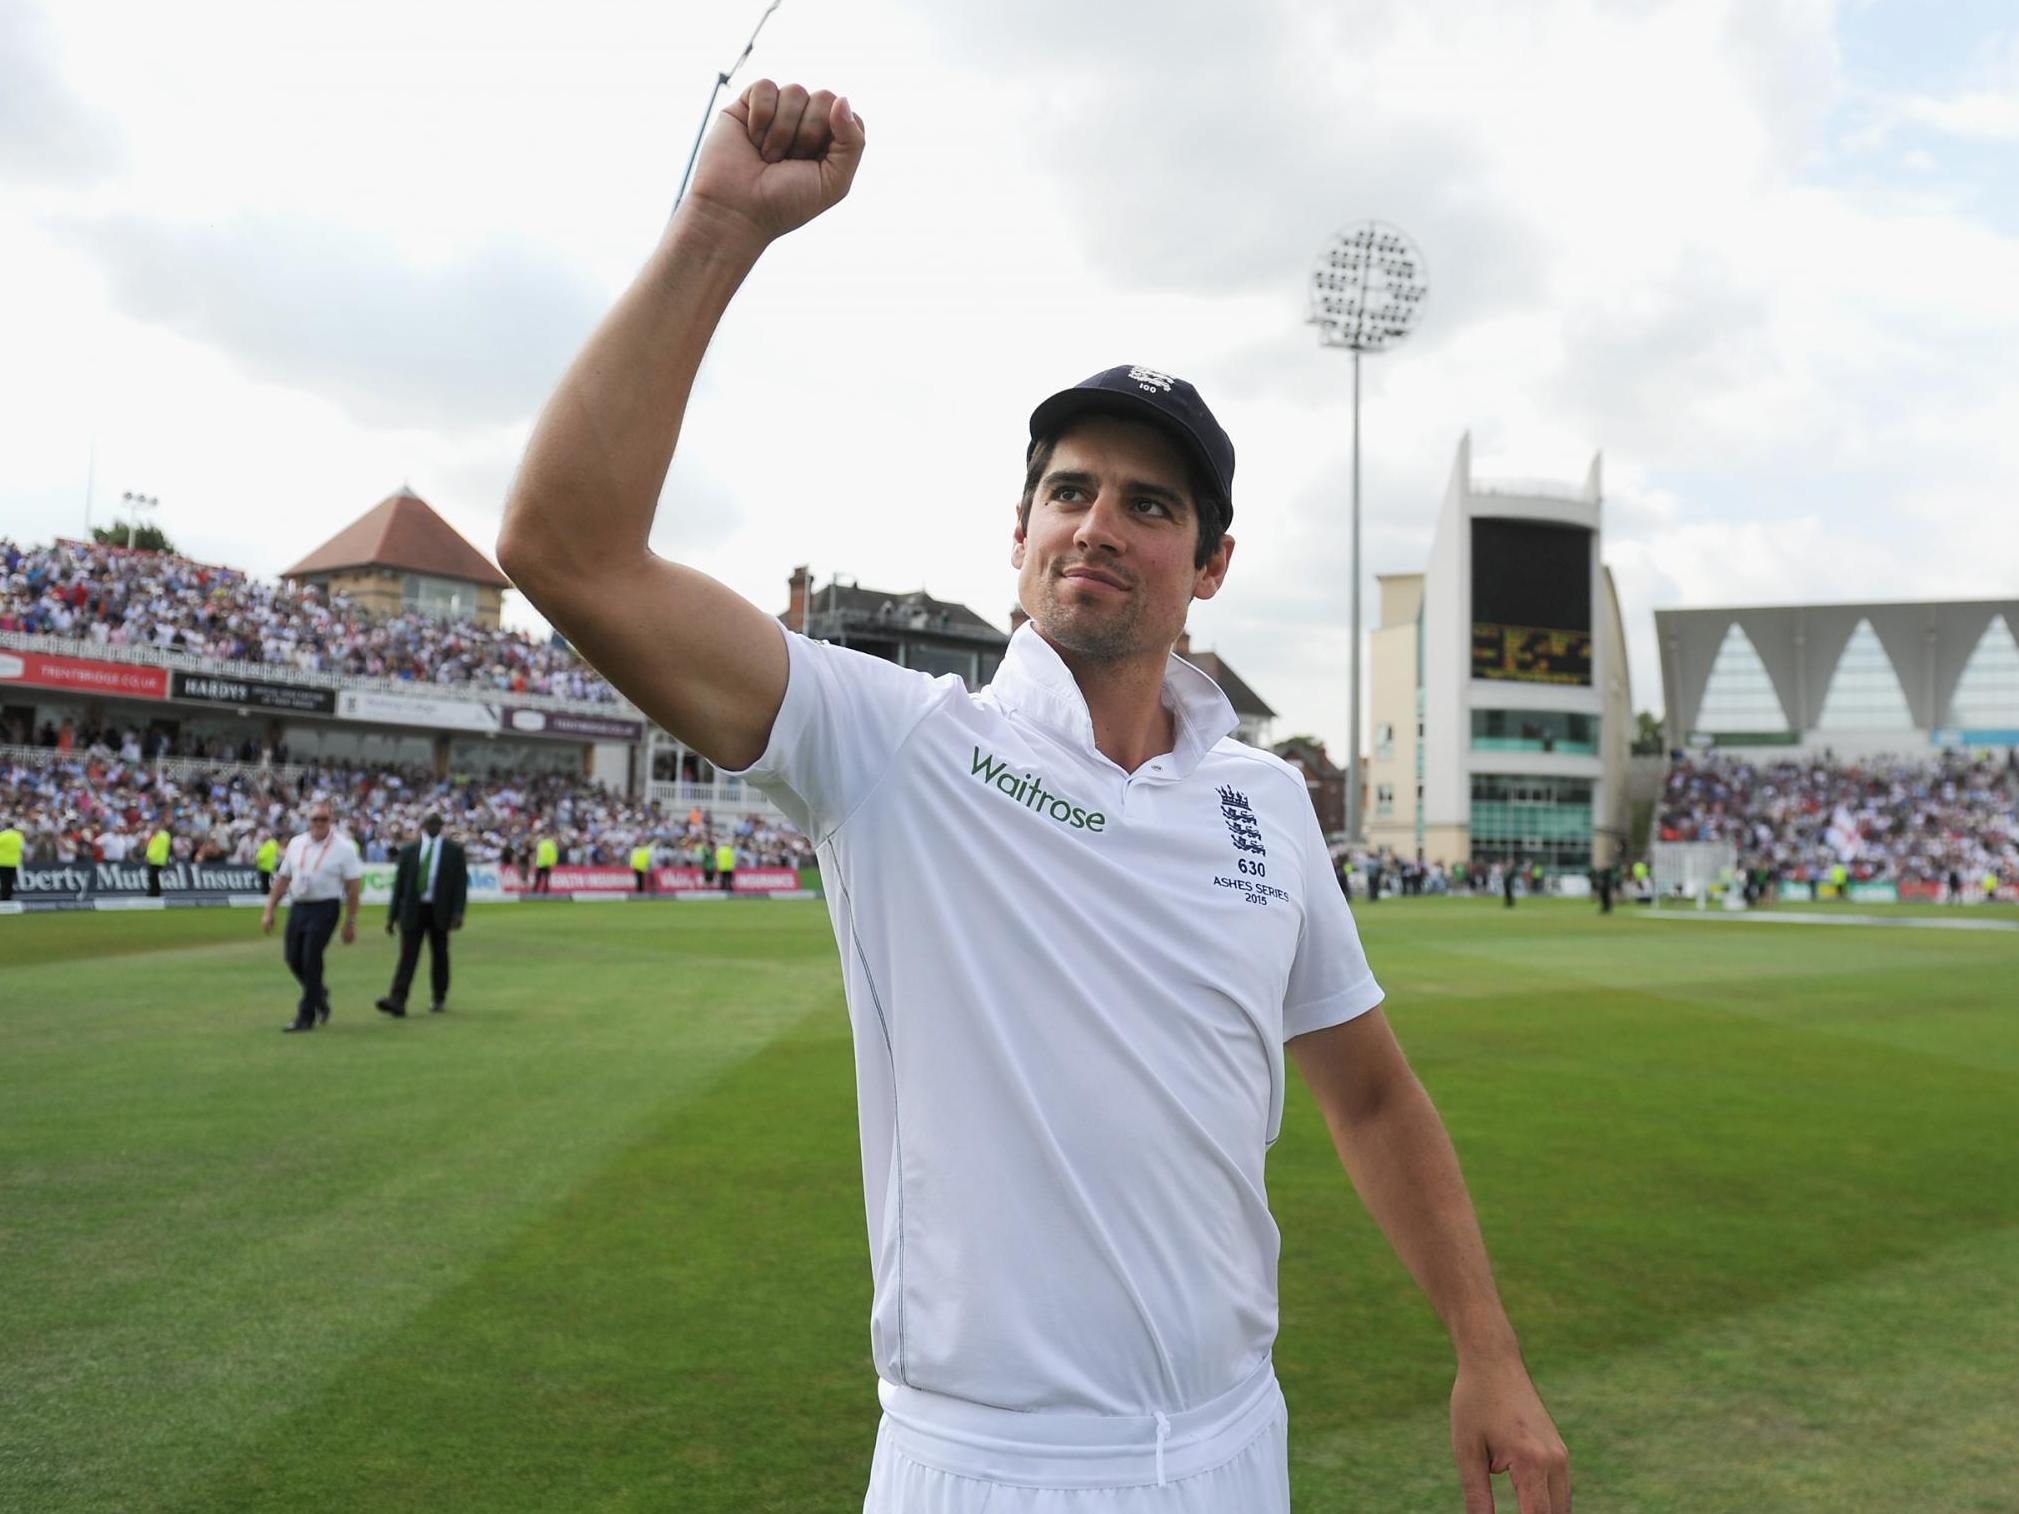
1030	792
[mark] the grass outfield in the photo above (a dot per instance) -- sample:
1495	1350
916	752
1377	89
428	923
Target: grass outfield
594	1240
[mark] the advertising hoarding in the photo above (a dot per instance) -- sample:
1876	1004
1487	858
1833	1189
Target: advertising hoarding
567	725
78	675
433	712
253	693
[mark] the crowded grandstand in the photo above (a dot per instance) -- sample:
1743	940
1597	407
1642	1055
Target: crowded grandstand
106	596
97	805
1945	821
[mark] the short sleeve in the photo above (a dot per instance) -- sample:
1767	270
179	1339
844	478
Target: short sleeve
843	719
353	864
1330	981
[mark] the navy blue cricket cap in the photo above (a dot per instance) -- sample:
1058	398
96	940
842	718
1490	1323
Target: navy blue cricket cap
1143	394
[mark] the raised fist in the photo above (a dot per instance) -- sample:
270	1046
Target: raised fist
777	158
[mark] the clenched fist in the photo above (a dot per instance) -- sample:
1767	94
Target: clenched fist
777	158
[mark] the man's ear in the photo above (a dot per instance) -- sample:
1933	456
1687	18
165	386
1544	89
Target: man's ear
1206	583
1017	540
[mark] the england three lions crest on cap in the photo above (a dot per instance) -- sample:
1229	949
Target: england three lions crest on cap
1151	380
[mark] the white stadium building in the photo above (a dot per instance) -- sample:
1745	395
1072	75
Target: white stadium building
1502	713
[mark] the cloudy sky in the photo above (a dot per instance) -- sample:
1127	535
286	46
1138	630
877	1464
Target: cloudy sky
267	263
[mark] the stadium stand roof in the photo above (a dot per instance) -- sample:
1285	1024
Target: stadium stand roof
1782	674
825	611
402	532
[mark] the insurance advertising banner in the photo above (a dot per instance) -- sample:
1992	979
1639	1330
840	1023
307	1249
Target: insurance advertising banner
84	882
417	709
77	675
253	693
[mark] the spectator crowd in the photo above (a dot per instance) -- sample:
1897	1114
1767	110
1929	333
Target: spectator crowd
1884	819
96	804
116	598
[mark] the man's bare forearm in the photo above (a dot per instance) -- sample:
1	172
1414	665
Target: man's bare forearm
587	490
1406	1172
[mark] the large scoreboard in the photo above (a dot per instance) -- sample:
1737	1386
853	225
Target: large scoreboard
1531	601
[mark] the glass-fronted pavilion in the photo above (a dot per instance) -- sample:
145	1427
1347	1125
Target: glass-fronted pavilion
1502	712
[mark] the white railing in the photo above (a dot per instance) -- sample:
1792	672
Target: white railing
310	678
724	795
179	767
1531	488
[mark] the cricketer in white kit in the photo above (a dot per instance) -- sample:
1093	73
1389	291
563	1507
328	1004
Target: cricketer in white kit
1078	923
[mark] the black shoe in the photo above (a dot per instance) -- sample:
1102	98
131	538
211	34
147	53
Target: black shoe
437	1007
322	1013
294	1025
397	1011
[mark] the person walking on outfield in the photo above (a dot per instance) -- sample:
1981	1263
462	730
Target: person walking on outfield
725	866
319	873
431	887
546	854
1079	922
12	846
641	864
1508	878
157	858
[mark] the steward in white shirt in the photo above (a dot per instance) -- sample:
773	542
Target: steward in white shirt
320	873
1078	921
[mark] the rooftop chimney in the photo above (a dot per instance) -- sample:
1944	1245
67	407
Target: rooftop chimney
802	590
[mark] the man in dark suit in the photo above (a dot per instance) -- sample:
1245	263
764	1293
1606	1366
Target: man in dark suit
430	888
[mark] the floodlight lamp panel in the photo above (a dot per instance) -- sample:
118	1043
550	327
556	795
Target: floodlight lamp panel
1367	286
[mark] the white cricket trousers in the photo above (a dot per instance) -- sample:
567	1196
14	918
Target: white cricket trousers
940	1455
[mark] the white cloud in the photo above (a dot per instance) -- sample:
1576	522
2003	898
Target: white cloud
47	134
332	310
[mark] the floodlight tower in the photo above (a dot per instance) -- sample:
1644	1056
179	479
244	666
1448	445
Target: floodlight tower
1366	289
133	504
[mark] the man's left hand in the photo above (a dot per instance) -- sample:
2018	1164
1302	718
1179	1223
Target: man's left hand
1498	1424
457	923
350	931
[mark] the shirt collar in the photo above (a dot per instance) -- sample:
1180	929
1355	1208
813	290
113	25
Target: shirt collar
1034	682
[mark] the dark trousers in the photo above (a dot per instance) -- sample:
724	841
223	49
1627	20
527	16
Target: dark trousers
309	927
644	881
728	881
436	930
543	880
153	880
6	884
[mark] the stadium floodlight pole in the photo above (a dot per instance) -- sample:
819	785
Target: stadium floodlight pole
1366	289
721	83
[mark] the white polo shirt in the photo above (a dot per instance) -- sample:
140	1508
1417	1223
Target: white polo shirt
1069	988
318	870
